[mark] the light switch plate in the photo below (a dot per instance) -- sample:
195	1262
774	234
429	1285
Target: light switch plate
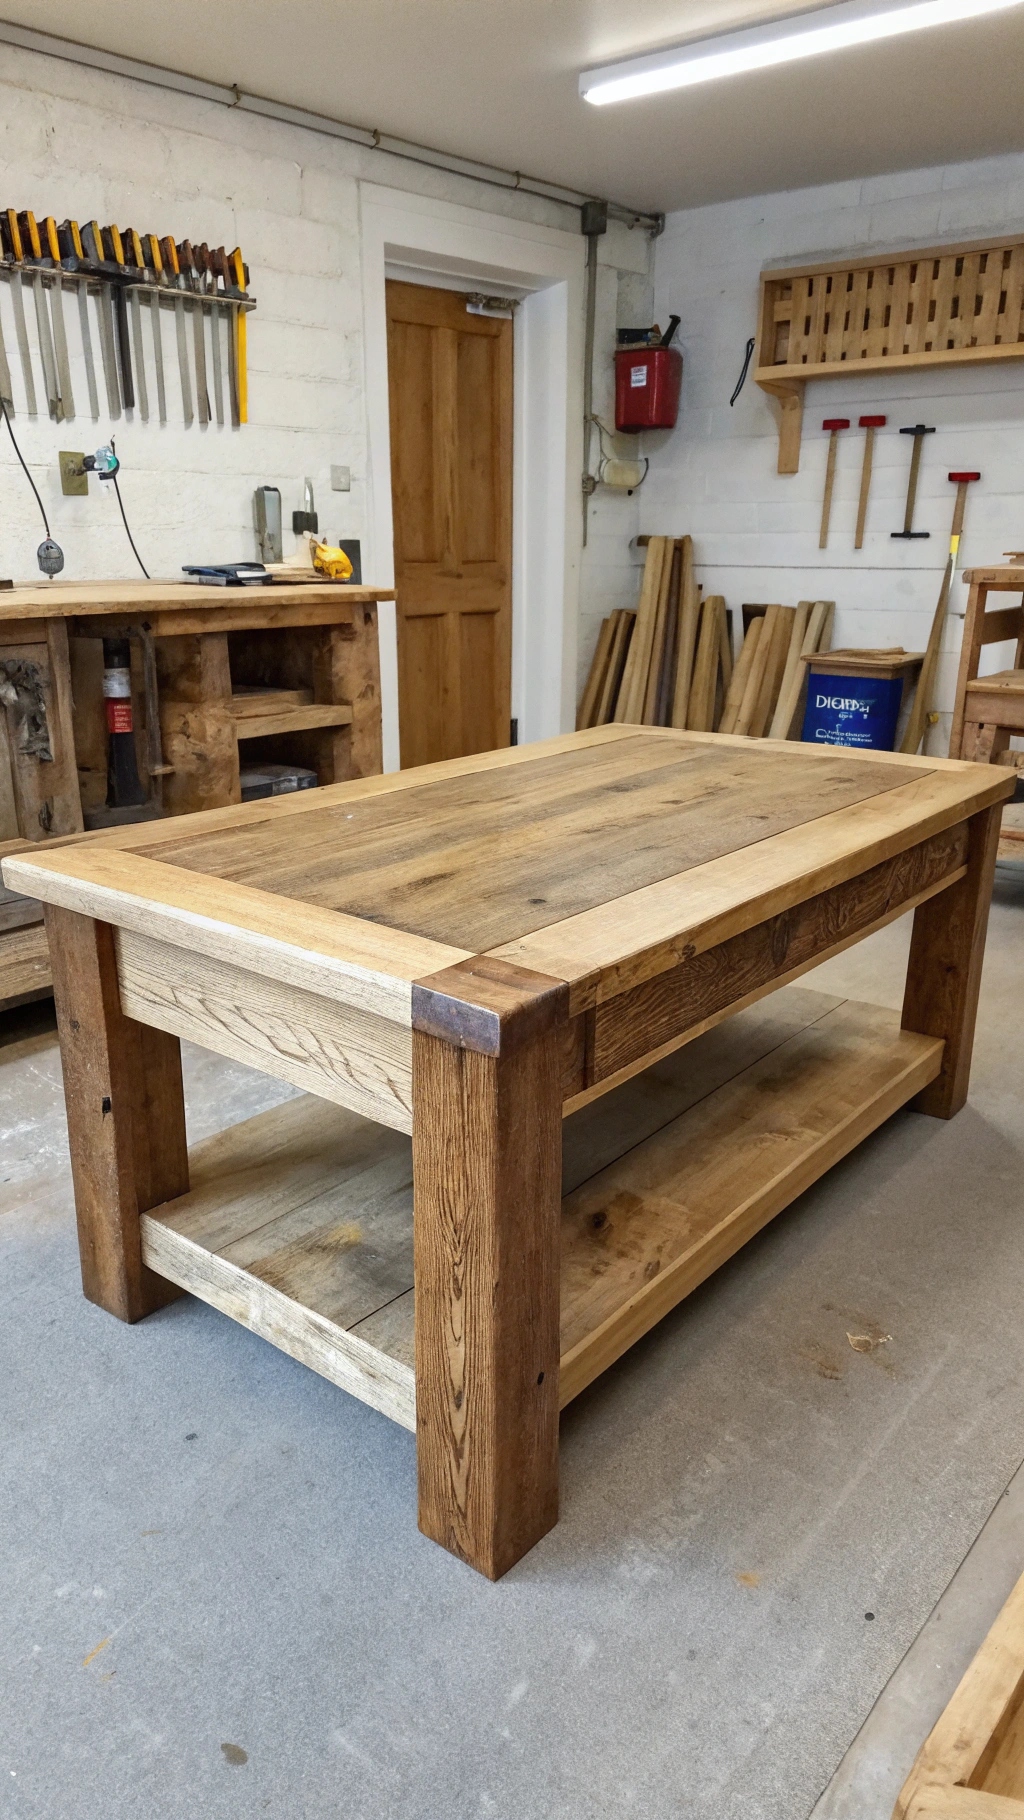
341	480
73	481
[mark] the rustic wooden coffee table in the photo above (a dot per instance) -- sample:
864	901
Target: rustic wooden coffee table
466	953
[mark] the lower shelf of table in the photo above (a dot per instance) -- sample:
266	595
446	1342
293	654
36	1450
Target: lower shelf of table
299	1221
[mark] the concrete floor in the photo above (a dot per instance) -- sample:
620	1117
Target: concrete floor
215	1601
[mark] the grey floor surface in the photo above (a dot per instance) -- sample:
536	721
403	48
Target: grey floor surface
214	1600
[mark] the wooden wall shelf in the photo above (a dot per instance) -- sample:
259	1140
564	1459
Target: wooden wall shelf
937	306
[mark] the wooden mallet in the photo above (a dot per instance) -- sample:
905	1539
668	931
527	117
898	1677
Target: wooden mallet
869	425
921	716
833	425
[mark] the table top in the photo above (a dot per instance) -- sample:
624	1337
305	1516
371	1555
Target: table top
600	858
1009	576
80	599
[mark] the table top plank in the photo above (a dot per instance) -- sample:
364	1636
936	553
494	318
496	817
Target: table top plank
82	599
620	944
357	962
491	857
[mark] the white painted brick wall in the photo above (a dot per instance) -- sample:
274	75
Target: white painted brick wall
756	531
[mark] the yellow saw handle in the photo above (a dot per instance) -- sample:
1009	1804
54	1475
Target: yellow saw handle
241	339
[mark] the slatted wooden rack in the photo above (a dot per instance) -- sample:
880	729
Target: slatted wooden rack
937	306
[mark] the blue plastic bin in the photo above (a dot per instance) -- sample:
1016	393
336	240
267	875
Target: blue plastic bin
854	697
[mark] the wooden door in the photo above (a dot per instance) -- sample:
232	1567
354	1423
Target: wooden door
450	382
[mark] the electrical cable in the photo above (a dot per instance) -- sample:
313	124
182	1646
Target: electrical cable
746	368
124	515
21	458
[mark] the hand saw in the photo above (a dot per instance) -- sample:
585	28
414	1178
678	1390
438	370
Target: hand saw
170	258
187	267
51	242
115	254
73	258
105	316
137	262
156	266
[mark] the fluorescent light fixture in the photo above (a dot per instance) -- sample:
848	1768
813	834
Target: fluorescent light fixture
758	47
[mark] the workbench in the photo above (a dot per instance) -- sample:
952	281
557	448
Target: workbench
465	955
293	667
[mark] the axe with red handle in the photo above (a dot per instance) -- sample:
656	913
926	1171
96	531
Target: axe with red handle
921	715
869	425
833	425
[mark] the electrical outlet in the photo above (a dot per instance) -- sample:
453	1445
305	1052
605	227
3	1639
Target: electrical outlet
74	481
341	480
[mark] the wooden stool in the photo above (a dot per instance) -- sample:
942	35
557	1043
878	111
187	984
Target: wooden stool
993	710
990	709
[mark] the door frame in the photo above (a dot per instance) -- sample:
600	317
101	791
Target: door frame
404	235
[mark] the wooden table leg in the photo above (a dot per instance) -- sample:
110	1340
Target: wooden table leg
126	1116
487	1147
944	974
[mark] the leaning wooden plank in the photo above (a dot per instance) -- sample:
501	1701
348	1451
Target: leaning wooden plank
967	1743
774	665
725	663
705	670
624	623
663	714
789	692
686	639
643	1234
762	632
816	637
629	706
657	657
738	681
595	678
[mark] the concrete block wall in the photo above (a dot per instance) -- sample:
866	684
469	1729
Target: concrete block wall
756	531
81	143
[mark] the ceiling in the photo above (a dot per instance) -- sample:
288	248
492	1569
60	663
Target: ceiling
497	80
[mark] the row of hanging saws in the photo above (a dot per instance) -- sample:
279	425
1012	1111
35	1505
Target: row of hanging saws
125	274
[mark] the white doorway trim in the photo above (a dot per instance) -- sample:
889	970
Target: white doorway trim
444	241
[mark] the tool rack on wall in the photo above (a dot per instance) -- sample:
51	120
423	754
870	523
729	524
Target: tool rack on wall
938	306
121	270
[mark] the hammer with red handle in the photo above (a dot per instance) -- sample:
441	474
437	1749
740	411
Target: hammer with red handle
869	425
833	425
921	715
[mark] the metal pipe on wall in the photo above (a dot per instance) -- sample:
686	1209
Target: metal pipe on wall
593	223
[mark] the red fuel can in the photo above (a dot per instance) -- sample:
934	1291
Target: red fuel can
647	385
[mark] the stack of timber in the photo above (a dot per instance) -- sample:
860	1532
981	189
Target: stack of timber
670	664
765	697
